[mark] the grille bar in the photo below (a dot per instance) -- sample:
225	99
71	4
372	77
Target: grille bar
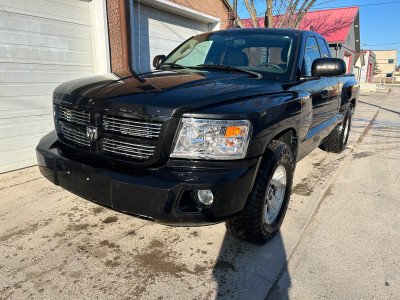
74	116
75	136
132	127
128	149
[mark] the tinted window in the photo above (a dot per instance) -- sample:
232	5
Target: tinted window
197	55
391	61
324	48
270	54
311	53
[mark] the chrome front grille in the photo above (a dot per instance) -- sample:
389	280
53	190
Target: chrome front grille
126	149
74	116
75	136
131	127
118	137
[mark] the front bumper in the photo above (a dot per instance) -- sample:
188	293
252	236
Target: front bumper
162	194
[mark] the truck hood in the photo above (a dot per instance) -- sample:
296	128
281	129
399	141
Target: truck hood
162	93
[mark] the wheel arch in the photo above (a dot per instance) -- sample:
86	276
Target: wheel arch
289	137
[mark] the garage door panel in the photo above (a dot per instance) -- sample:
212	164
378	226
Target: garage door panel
11	130
19	102
41	40
38	89
143	23
166	31
175	31
19	115
44	76
44	54
4	61
16	143
27	157
147	12
60	67
48	10
33	25
42	44
28	119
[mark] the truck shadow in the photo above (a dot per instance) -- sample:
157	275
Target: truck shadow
246	271
380	107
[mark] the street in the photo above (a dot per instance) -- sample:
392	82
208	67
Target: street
339	240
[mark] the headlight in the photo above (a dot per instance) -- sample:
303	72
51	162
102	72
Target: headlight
212	139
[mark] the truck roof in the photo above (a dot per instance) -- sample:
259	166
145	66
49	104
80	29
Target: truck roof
275	30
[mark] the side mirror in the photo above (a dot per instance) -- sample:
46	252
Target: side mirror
158	60
327	66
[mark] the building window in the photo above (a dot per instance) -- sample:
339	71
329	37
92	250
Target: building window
391	61
389	75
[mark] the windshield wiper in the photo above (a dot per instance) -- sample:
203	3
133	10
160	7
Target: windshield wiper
173	65
225	67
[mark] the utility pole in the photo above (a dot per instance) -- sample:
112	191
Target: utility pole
235	14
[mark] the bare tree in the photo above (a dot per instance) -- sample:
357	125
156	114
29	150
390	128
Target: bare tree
295	10
252	11
269	16
302	12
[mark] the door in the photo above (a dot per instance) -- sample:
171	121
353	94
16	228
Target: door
324	95
158	32
42	44
323	90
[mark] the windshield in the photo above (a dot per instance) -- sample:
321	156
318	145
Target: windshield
270	54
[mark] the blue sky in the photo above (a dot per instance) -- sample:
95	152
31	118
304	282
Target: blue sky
379	20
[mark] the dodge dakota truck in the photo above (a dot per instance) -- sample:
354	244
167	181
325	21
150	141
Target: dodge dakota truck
212	134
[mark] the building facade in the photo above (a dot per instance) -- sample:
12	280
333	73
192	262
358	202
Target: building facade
386	63
365	66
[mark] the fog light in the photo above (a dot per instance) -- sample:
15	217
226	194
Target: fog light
205	197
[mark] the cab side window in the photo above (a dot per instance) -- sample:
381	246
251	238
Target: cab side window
311	53
325	52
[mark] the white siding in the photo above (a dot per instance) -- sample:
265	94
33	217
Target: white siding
42	44
156	32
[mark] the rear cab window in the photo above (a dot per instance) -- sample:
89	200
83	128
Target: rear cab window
311	53
325	51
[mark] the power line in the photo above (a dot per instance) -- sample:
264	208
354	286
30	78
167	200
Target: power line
322	3
370	4
382	44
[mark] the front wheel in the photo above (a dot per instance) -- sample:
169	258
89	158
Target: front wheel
336	141
268	201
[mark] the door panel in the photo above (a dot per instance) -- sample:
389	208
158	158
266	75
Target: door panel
324	96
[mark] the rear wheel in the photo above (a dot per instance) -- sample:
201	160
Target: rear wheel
267	204
336	141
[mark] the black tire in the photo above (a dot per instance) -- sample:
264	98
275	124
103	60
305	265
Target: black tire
336	141
250	224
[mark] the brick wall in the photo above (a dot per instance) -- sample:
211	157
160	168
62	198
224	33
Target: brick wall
215	8
117	32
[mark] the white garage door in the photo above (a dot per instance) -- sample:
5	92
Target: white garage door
157	31
42	44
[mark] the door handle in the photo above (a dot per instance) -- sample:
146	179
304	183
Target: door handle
325	94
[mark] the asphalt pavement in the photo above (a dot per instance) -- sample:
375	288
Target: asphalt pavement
340	238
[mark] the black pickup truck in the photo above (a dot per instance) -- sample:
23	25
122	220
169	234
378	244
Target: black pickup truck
212	134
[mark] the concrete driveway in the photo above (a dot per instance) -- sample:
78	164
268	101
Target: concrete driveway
340	238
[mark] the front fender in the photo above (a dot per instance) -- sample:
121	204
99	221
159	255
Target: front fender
350	91
295	115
